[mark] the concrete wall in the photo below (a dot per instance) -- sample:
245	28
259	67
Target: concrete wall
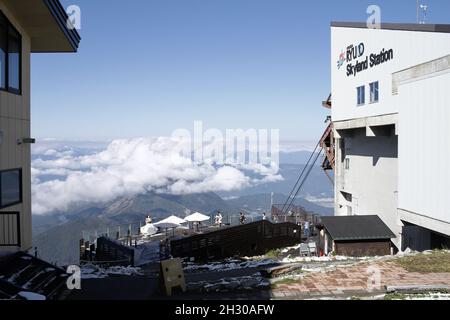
410	48
372	177
15	124
424	153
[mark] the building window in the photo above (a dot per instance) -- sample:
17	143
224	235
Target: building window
342	149
10	56
347	164
14	53
374	95
10	187
361	92
3	46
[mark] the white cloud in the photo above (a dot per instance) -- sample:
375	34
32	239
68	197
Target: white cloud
134	166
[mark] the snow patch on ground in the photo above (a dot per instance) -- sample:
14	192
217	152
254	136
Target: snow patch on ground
290	259
286	250
234	284
228	265
409	253
426	297
31	296
90	271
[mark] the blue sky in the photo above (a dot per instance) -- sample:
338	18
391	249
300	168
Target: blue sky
148	67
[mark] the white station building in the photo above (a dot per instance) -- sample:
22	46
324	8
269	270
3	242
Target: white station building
391	118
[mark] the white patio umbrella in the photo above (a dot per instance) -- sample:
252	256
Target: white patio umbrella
171	222
197	217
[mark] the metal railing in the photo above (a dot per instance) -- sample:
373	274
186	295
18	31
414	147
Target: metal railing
114	232
10	229
130	230
235	220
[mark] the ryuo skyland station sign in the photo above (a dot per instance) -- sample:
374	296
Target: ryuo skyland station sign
357	61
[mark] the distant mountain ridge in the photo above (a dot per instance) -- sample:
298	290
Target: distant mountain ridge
129	208
58	242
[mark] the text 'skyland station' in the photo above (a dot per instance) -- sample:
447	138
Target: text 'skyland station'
371	61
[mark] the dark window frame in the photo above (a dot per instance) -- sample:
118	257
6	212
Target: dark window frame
361	96
2	206
374	88
3	46
342	149
10	26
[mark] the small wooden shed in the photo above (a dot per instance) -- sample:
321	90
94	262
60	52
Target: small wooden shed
356	236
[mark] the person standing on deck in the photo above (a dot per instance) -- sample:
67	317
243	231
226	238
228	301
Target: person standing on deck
219	219
242	218
306	230
275	219
216	219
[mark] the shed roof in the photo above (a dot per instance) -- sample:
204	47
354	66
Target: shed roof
348	228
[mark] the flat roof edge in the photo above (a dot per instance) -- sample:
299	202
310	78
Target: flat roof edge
61	18
366	238
439	28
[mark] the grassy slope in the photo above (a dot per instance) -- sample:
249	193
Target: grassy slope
436	262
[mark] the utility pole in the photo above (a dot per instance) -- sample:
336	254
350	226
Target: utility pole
418	10
271	201
422	9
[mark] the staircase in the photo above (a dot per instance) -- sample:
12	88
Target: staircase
328	145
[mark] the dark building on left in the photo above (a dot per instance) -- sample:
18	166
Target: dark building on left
26	27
